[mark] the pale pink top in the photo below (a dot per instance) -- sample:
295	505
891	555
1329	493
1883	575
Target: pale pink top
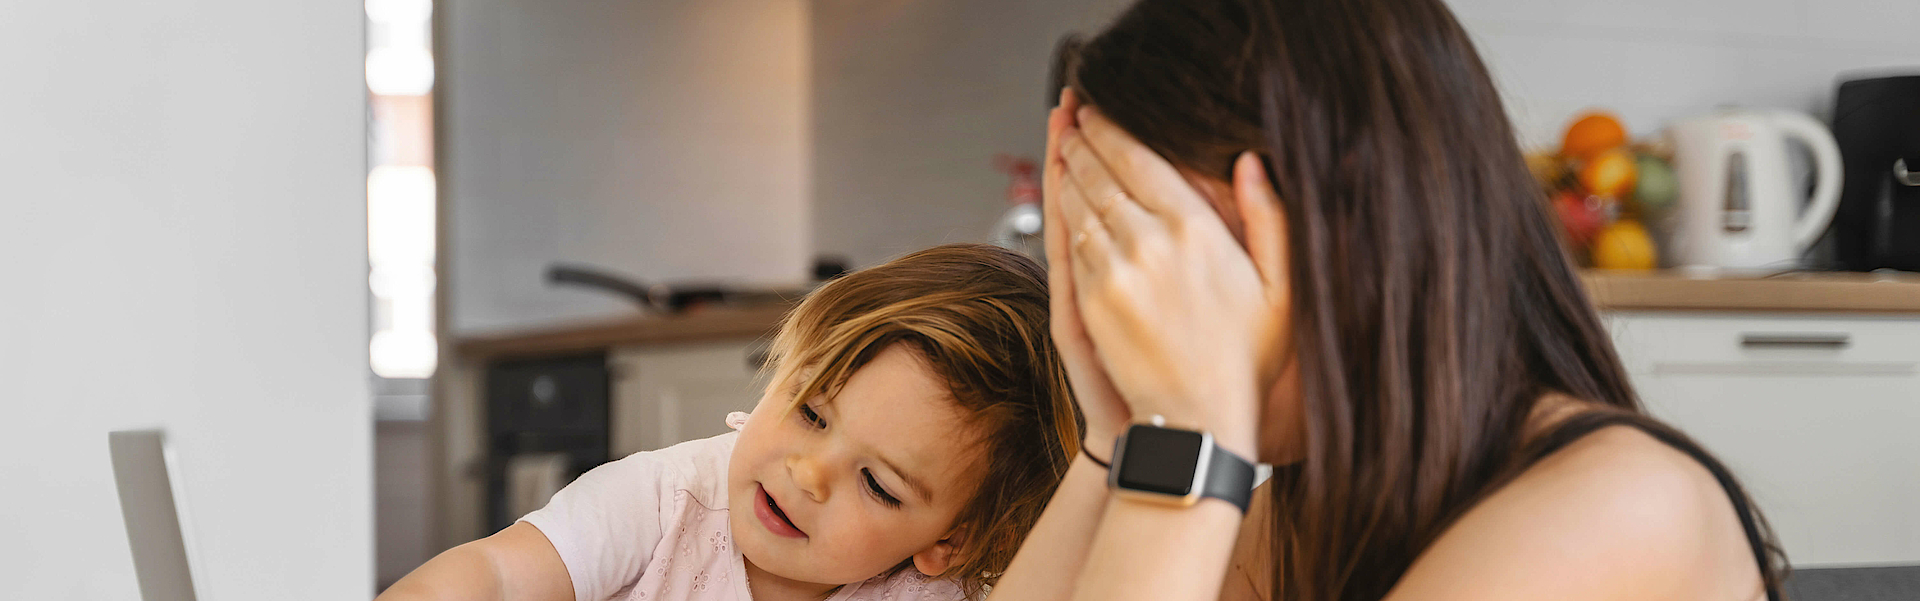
653	527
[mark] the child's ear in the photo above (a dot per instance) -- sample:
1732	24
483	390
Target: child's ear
934	560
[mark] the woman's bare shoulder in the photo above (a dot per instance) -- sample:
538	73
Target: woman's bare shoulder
1616	514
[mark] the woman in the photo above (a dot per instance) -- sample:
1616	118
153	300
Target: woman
1303	227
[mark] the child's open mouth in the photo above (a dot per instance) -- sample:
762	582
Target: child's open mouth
772	517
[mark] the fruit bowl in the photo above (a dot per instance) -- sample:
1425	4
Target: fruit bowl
1603	188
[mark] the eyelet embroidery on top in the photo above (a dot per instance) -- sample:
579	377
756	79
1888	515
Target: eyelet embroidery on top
700	581
685	548
719	540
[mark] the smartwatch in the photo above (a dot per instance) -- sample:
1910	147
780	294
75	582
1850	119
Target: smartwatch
1171	466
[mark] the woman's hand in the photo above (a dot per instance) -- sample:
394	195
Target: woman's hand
1105	413
1187	323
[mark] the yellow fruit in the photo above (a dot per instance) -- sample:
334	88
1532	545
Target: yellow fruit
1593	133
1547	169
1610	173
1624	245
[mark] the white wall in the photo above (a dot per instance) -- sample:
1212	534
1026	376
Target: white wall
913	99
182	220
664	139
1653	61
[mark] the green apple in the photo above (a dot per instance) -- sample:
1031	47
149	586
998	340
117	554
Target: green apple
1658	187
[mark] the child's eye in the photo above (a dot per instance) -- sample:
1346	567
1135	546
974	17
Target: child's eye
878	492
812	417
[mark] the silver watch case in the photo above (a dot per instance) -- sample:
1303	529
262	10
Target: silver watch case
1194	488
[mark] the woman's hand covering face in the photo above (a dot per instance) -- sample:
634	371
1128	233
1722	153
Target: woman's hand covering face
1105	413
1185	322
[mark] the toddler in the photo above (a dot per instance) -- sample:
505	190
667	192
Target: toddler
917	421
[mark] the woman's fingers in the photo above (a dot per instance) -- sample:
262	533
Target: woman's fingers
1266	222
1090	247
1061	119
1077	210
1090	184
1076	348
1093	389
1157	185
1053	222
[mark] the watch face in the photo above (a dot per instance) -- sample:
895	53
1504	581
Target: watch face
1159	460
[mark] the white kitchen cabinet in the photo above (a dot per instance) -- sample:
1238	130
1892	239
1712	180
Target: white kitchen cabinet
1819	416
671	393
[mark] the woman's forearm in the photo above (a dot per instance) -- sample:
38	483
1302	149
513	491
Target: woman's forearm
1146	551
1050	561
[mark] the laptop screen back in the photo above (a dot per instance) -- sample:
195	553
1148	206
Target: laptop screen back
153	523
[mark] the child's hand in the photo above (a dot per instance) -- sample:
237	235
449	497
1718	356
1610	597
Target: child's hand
1187	323
1106	415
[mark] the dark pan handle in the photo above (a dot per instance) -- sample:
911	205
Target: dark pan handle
1804	340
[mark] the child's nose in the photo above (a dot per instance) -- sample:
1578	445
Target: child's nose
810	476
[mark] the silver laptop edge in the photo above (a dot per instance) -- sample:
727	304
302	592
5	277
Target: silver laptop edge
153	520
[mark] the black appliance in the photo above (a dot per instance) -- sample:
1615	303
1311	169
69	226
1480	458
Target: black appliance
1877	125
548	408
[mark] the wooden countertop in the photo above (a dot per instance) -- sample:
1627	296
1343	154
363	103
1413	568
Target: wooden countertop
1827	292
720	323
1824	292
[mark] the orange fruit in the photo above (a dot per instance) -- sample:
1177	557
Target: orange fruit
1610	173
1624	245
1593	133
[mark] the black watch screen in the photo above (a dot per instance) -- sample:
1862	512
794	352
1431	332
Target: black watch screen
1159	460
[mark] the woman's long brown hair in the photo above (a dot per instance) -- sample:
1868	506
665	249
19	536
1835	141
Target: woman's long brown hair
1433	302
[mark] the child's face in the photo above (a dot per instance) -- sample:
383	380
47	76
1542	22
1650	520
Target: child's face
891	424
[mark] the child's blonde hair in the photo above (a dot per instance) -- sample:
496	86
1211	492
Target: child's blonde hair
978	315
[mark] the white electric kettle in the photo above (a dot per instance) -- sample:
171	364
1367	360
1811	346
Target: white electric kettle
1737	208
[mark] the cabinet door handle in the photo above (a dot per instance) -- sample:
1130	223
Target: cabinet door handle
1819	340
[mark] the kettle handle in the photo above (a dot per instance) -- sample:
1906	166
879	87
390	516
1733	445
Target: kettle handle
1827	173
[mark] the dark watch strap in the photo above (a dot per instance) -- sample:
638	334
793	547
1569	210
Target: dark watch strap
1229	478
1104	464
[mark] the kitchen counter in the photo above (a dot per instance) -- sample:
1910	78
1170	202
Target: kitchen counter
721	323
1823	292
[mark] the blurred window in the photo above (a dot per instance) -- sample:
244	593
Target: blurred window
400	188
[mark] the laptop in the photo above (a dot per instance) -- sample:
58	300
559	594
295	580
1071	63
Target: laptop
153	522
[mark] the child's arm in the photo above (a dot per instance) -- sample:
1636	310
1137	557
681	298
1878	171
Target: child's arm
593	538
517	564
